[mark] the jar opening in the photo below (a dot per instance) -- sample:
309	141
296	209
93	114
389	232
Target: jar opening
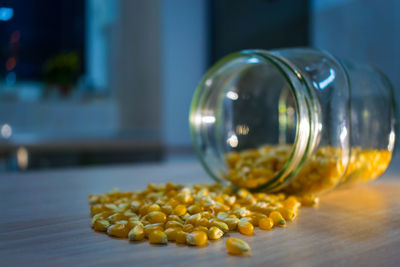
246	110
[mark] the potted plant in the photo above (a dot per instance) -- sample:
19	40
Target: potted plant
62	72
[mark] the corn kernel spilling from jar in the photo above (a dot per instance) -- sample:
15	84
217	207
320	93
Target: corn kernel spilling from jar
190	215
255	167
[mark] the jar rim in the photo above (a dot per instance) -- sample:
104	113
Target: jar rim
300	92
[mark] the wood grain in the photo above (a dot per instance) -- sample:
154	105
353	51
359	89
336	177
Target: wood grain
45	221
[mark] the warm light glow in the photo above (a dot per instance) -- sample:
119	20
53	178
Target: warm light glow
233	140
6	131
232	95
22	158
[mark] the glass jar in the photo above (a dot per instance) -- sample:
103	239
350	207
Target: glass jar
298	121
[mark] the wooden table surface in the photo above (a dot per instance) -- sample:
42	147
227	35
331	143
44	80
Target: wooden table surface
45	221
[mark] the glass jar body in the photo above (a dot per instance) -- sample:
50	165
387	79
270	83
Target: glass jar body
293	120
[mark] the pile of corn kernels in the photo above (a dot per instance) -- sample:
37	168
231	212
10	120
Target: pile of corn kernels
194	214
191	215
325	170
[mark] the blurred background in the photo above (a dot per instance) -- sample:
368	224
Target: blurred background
93	82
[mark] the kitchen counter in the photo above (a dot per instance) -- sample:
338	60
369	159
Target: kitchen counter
45	221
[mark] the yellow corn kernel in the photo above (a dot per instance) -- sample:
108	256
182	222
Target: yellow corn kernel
175	218
143	209
256	217
95	217
193	209
291	203
221	225
185	217
245	228
144	222
221	207
222	215
180	237
171	233
194	219
309	200
153	207
116	217
241	212
167	209
118	230
267	210
158	237
173	224
206	214
169	186
94	199
201	228
135	205
152	187
203	222
101	225
265	223
185	197
188	228
170	194
152	227
242	193
214	233
133	223
179	210
136	234
110	207
173	202
104	214
277	218
287	214
232	223
95	209
213	219
229	200
197	238
122	222
232	158
236	246
132	217
247	219
156	217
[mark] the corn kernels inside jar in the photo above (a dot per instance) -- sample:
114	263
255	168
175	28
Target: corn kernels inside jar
252	168
299	121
